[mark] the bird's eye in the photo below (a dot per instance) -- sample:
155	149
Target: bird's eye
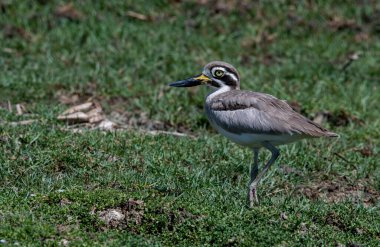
218	73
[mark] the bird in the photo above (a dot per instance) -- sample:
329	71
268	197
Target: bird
251	119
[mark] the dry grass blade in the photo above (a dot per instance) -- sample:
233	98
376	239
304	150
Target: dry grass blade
10	31
77	108
9	106
137	16
20	109
96	115
96	119
158	132
23	122
75	117
95	111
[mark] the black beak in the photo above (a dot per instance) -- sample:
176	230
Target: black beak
191	82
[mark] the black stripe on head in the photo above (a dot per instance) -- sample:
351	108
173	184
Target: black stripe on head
229	80
232	71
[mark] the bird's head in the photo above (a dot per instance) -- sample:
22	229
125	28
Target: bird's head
216	74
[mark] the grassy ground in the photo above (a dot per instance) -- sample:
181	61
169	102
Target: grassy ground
186	190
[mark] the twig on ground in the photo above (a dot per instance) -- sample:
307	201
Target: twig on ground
158	132
19	109
137	16
9	106
23	122
78	108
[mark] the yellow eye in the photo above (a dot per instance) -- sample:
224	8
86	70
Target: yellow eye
218	73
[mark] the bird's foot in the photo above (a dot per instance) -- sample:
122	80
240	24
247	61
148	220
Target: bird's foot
252	197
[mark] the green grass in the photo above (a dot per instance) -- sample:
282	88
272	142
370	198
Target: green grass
55	182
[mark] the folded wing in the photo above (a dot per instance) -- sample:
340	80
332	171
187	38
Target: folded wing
251	112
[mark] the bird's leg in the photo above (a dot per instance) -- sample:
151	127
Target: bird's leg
253	186
255	165
254	171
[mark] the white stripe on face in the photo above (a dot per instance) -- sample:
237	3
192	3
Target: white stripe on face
232	76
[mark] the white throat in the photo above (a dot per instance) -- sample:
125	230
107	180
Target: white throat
218	91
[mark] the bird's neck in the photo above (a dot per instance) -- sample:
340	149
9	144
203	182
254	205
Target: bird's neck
217	91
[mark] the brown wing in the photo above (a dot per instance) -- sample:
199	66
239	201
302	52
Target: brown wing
250	112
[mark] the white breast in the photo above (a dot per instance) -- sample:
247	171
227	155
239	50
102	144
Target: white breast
255	140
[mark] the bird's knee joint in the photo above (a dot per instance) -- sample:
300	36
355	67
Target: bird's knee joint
253	186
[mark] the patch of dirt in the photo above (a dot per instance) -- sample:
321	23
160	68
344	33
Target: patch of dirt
339	118
366	151
64	229
68	11
10	32
361	29
290	170
133	213
226	7
263	39
164	218
341	189
80	93
333	219
130	212
337	23
179	216
293	21
362	37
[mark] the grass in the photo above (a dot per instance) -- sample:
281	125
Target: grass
55	182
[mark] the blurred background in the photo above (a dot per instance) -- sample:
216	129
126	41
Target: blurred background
126	52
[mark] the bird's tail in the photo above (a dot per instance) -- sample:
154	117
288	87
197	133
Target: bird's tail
331	134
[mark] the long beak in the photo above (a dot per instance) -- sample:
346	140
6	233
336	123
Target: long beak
191	82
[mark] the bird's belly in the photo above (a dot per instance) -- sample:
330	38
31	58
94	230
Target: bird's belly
256	139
